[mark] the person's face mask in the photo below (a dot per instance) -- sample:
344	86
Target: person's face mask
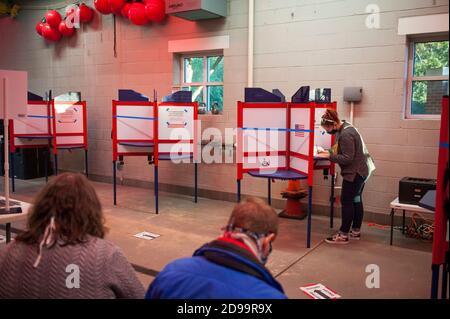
265	257
333	131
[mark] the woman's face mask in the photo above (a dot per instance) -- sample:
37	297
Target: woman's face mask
333	131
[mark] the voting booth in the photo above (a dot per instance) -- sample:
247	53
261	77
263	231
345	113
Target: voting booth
53	125
441	252
34	130
69	129
159	131
279	141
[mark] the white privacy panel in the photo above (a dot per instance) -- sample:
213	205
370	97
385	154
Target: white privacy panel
135	122
299	164
36	122
264	129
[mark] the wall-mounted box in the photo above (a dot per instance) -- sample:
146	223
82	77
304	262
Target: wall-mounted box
197	9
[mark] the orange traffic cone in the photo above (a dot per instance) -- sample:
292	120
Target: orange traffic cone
293	194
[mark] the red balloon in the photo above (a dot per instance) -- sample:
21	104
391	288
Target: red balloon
116	5
155	10
39	27
137	15
102	6
126	7
86	13
65	30
53	18
50	33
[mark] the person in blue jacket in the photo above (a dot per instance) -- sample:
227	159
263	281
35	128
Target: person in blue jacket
230	267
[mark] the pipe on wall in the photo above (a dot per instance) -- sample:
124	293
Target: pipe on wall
251	17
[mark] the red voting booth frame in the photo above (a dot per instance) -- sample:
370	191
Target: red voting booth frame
286	171
150	147
441	254
48	139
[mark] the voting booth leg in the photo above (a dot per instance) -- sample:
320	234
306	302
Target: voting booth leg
238	190
434	281
269	192
114	184
8	232
196	182
332	202
308	231
444	282
56	164
13	180
46	164
156	190
86	164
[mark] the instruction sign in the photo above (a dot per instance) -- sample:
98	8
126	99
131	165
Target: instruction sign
146	235
319	291
171	118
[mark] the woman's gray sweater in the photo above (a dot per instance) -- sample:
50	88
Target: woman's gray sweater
350	153
104	272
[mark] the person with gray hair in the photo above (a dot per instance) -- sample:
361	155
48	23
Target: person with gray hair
230	267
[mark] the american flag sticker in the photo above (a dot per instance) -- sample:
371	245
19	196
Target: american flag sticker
299	127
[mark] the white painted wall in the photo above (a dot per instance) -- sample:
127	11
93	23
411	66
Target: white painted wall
322	43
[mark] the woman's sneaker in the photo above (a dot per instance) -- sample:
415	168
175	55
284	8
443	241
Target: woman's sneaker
354	235
337	239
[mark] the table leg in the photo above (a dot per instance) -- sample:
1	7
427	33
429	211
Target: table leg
8	232
392	224
404	222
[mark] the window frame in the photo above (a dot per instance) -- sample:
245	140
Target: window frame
410	78
205	84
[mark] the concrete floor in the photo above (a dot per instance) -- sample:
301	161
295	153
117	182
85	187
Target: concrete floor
184	226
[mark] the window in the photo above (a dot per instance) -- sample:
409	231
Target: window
427	78
203	75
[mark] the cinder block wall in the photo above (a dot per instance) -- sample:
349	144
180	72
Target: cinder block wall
316	43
